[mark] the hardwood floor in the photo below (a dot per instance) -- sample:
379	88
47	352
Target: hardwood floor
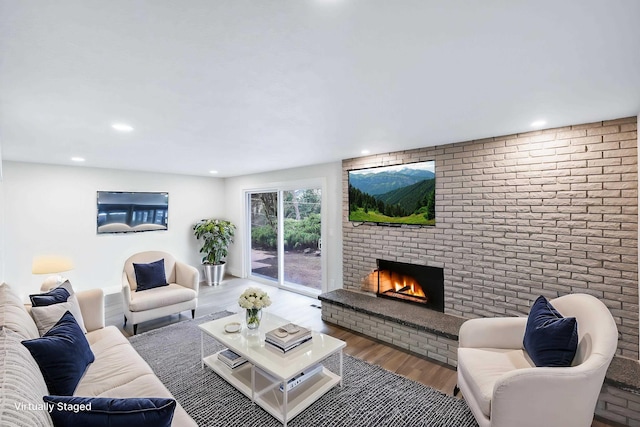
305	311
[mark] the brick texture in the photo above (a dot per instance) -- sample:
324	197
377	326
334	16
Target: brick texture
427	344
618	405
548	212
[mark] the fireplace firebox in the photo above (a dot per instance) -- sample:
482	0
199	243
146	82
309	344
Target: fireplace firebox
417	284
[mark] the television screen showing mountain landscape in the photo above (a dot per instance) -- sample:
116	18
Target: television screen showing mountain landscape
403	194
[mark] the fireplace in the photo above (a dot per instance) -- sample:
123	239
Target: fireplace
412	283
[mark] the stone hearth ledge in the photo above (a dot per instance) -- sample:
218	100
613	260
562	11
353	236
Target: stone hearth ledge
410	315
624	373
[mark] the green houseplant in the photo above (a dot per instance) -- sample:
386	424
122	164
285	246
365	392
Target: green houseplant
216	236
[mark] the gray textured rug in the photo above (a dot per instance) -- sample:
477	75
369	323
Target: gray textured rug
371	395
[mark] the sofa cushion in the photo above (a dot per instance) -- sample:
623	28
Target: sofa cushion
550	339
14	316
150	385
111	412
62	354
119	371
106	337
161	297
114	365
21	383
150	275
49	315
54	296
482	367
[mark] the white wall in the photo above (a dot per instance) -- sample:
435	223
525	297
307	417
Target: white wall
2	204
2	232
52	210
330	174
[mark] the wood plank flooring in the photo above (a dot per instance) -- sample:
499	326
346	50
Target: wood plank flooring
305	311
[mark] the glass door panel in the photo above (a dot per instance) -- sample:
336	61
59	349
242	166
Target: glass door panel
264	234
301	233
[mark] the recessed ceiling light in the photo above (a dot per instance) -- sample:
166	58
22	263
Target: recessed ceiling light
538	123
77	159
213	172
365	152
122	127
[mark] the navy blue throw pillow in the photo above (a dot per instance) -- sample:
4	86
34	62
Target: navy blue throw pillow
149	276
54	296
550	339
62	354
110	412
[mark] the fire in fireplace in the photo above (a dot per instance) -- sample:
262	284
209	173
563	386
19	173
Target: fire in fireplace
419	284
400	286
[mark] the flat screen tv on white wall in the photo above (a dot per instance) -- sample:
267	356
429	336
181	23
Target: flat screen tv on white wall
130	212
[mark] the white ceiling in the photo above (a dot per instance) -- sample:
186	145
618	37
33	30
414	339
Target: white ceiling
243	86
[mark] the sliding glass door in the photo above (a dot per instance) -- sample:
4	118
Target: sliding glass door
286	237
302	242
263	212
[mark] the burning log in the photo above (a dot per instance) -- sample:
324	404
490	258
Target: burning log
405	296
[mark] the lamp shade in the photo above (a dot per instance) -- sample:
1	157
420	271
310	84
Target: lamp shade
49	264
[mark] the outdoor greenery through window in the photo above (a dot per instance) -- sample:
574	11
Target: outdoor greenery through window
300	234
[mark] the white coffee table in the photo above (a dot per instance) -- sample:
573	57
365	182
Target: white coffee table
266	370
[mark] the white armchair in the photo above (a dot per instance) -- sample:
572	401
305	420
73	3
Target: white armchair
181	294
504	388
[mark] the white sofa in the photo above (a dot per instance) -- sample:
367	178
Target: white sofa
118	370
504	388
180	295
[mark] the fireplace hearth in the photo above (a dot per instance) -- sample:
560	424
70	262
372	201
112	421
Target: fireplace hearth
412	283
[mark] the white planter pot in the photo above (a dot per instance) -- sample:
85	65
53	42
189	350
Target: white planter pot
213	273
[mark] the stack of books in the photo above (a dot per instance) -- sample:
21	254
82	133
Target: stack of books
302	377
287	337
231	359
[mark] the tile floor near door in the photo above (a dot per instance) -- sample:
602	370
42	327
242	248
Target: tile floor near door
305	311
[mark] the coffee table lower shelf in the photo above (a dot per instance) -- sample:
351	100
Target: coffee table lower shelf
267	393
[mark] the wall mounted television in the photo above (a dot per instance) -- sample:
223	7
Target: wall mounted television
401	194
130	212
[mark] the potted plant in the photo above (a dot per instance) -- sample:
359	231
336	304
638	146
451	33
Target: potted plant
216	236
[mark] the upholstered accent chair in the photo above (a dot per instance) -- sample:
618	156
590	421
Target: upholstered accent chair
178	295
504	388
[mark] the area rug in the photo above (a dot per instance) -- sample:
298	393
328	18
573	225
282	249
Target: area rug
370	396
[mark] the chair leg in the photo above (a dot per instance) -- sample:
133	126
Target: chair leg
456	390
193	313
135	329
125	321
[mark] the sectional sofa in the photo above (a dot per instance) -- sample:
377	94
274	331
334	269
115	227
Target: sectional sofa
118	371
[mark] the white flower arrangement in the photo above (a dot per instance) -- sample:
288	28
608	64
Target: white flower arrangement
254	298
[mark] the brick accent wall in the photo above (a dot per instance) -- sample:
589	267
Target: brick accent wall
547	212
